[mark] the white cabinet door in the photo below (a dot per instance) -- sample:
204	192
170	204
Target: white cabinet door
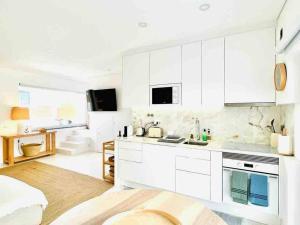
288	24
130	171
165	66
159	166
249	66
213	72
191	75
193	184
216	176
135	84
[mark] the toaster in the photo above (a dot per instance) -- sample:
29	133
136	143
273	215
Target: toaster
155	132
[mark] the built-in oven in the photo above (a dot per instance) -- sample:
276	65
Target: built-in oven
261	166
165	94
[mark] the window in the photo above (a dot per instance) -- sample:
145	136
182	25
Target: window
53	108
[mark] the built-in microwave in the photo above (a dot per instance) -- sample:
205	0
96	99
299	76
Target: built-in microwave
165	94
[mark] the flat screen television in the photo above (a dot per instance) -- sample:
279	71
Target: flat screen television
102	100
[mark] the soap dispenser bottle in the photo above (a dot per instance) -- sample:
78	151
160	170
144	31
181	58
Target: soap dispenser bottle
204	135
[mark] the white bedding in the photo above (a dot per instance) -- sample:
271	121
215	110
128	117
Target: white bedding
15	194
25	216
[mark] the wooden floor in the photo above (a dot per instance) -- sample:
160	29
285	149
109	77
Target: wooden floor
64	189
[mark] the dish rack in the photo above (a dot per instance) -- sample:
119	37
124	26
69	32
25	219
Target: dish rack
108	147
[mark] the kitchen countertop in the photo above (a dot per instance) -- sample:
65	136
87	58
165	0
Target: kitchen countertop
242	148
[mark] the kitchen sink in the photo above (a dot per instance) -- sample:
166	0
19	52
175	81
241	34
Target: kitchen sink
201	143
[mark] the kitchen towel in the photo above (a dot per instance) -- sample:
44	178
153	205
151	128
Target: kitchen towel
259	190
239	187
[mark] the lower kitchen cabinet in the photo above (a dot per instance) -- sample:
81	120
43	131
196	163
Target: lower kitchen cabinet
159	166
130	171
193	184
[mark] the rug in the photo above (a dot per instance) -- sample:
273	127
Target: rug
63	188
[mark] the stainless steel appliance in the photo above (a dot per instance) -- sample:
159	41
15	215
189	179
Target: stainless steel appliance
171	139
165	94
252	164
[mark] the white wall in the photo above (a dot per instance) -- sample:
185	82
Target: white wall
9	82
105	125
107	81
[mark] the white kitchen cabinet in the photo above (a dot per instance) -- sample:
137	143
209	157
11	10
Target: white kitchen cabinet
216	176
165	66
213	72
191	75
130	171
193	165
249	66
130	155
193	184
135	82
288	24
159	166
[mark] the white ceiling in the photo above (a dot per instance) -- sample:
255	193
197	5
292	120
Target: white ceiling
85	38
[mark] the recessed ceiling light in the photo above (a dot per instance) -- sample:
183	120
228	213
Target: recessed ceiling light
204	7
143	24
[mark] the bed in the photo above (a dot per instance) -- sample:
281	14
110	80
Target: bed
98	210
20	204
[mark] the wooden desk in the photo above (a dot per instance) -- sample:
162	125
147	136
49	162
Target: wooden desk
8	147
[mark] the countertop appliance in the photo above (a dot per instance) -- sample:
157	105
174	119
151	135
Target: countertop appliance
252	164
165	94
155	132
140	132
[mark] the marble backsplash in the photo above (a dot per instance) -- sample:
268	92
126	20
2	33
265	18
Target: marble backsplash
237	124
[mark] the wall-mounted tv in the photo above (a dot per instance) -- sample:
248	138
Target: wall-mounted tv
102	100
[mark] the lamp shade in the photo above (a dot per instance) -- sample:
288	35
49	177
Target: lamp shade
19	113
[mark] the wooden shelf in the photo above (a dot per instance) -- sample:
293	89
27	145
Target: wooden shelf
8	147
107	146
26	158
27	135
109	178
109	163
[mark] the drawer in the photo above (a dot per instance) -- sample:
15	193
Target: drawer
130	145
193	153
130	155
130	171
193	184
193	165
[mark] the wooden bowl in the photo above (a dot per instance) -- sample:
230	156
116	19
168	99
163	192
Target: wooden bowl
31	149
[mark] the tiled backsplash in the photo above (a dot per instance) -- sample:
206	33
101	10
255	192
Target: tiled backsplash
238	124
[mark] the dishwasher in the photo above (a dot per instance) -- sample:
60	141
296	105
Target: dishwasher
250	164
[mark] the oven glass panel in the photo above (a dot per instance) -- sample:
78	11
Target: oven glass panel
162	95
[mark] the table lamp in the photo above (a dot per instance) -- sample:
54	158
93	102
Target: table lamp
21	114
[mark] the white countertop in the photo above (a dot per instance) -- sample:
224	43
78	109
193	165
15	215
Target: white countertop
242	148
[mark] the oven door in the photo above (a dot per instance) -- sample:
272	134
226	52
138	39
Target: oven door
273	194
165	95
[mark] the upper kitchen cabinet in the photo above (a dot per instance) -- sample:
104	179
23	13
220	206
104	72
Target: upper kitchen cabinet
165	66
249	67
288	24
191	75
213	72
135	84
